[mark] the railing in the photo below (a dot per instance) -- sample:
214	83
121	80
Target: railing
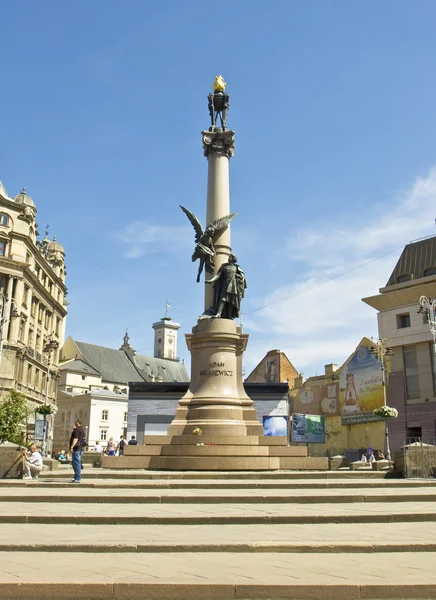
419	458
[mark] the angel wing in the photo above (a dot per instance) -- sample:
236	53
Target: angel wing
194	222
220	224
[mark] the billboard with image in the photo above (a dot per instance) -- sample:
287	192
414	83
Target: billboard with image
275	425
361	386
309	429
317	399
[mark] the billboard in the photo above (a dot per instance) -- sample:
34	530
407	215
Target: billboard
361	386
316	399
309	429
275	425
38	435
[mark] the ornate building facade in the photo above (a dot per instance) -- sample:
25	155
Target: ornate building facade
32	302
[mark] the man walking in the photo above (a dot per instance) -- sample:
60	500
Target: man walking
76	439
32	462
121	445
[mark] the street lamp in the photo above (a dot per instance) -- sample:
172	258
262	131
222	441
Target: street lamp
427	306
381	351
50	347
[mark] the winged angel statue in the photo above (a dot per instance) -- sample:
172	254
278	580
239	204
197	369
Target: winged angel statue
204	248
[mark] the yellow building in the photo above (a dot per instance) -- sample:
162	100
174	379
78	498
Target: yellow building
32	302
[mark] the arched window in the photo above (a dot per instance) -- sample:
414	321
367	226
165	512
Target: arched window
430	271
2	248
4	219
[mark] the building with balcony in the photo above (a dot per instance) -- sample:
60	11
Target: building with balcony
32	302
412	382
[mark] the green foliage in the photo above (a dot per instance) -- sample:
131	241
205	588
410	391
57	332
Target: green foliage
13	414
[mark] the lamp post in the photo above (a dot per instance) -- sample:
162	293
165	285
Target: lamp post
381	351
50	347
427	306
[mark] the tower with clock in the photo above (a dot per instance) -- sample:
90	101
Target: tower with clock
165	338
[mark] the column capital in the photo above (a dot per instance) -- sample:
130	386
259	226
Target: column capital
221	143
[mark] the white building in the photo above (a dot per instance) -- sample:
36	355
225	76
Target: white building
94	381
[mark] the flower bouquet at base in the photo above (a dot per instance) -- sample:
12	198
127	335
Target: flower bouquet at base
47	409
197	431
386	412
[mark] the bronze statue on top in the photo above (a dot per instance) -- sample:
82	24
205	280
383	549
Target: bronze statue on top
204	249
229	287
219	103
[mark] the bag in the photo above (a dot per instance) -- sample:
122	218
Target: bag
83	443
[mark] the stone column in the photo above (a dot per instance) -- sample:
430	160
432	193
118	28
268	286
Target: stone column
16	305
218	148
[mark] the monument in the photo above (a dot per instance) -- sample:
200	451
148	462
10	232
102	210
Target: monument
215	426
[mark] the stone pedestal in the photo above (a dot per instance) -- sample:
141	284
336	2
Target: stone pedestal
216	401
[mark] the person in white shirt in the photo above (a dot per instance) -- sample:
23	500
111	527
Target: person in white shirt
98	448
32	465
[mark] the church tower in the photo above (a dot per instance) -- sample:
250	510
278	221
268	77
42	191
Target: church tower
165	338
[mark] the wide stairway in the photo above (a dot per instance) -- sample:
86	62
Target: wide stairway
133	535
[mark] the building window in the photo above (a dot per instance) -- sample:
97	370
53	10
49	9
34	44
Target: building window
414	433
411	371
4	219
105	415
2	248
430	271
103	435
69	389
125	417
83	377
403	321
403	278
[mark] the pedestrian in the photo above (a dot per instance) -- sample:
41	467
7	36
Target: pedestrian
32	465
133	441
111	447
98	447
363	458
371	458
121	445
381	455
76	440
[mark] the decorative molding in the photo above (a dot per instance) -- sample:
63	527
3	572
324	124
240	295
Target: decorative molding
221	143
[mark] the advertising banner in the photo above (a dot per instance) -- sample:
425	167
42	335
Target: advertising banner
275	425
316	399
361	388
39	430
309	429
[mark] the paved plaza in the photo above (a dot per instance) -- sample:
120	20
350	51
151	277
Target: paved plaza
161	536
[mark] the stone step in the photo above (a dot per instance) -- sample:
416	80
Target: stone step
194	576
293	484
325	538
209	449
223	440
192	458
214	514
206	496
242	475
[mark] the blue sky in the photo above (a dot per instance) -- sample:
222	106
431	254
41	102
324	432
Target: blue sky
333	104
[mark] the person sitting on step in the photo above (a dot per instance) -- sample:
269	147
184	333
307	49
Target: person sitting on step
32	465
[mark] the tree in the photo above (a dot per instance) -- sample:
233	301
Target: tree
13	414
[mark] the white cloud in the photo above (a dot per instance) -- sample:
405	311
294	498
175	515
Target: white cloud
317	322
142	238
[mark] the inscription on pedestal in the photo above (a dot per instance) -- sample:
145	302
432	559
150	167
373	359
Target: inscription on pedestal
216	369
